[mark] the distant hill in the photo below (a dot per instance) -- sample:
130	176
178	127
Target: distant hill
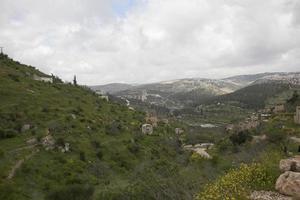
283	77
111	88
177	94
253	96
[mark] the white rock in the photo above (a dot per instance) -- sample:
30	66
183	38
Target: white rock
288	183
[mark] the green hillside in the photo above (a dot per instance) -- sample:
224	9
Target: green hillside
108	157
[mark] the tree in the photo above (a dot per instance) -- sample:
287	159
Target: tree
240	137
294	98
75	80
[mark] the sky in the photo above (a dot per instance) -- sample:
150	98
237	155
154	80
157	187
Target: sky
143	41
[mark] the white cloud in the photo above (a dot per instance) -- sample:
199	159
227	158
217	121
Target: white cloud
155	40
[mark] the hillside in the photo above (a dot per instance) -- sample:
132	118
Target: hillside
63	141
59	140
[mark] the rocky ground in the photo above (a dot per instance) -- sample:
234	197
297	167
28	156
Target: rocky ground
287	184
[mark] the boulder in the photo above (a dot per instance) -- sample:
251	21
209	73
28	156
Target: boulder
288	183
290	164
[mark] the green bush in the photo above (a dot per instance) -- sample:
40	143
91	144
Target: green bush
82	156
114	128
240	138
72	192
1	153
9	191
99	155
8	133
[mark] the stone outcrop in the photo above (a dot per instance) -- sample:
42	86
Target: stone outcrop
288	183
290	164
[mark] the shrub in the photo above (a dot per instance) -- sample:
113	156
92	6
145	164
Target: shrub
237	183
96	144
60	142
277	137
14	77
114	128
8	192
72	192
133	148
99	155
9	133
1	153
240	138
82	156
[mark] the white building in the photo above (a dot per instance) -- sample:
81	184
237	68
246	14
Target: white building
43	78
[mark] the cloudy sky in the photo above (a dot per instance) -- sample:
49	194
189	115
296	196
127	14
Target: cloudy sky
140	41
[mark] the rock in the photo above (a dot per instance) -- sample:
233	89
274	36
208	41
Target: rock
202	153
178	131
268	195
131	108
290	164
31	141
25	127
288	183
258	138
67	147
73	116
147	129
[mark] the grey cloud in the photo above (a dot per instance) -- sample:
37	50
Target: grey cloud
156	40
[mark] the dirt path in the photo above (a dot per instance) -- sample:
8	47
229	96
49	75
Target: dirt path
19	164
